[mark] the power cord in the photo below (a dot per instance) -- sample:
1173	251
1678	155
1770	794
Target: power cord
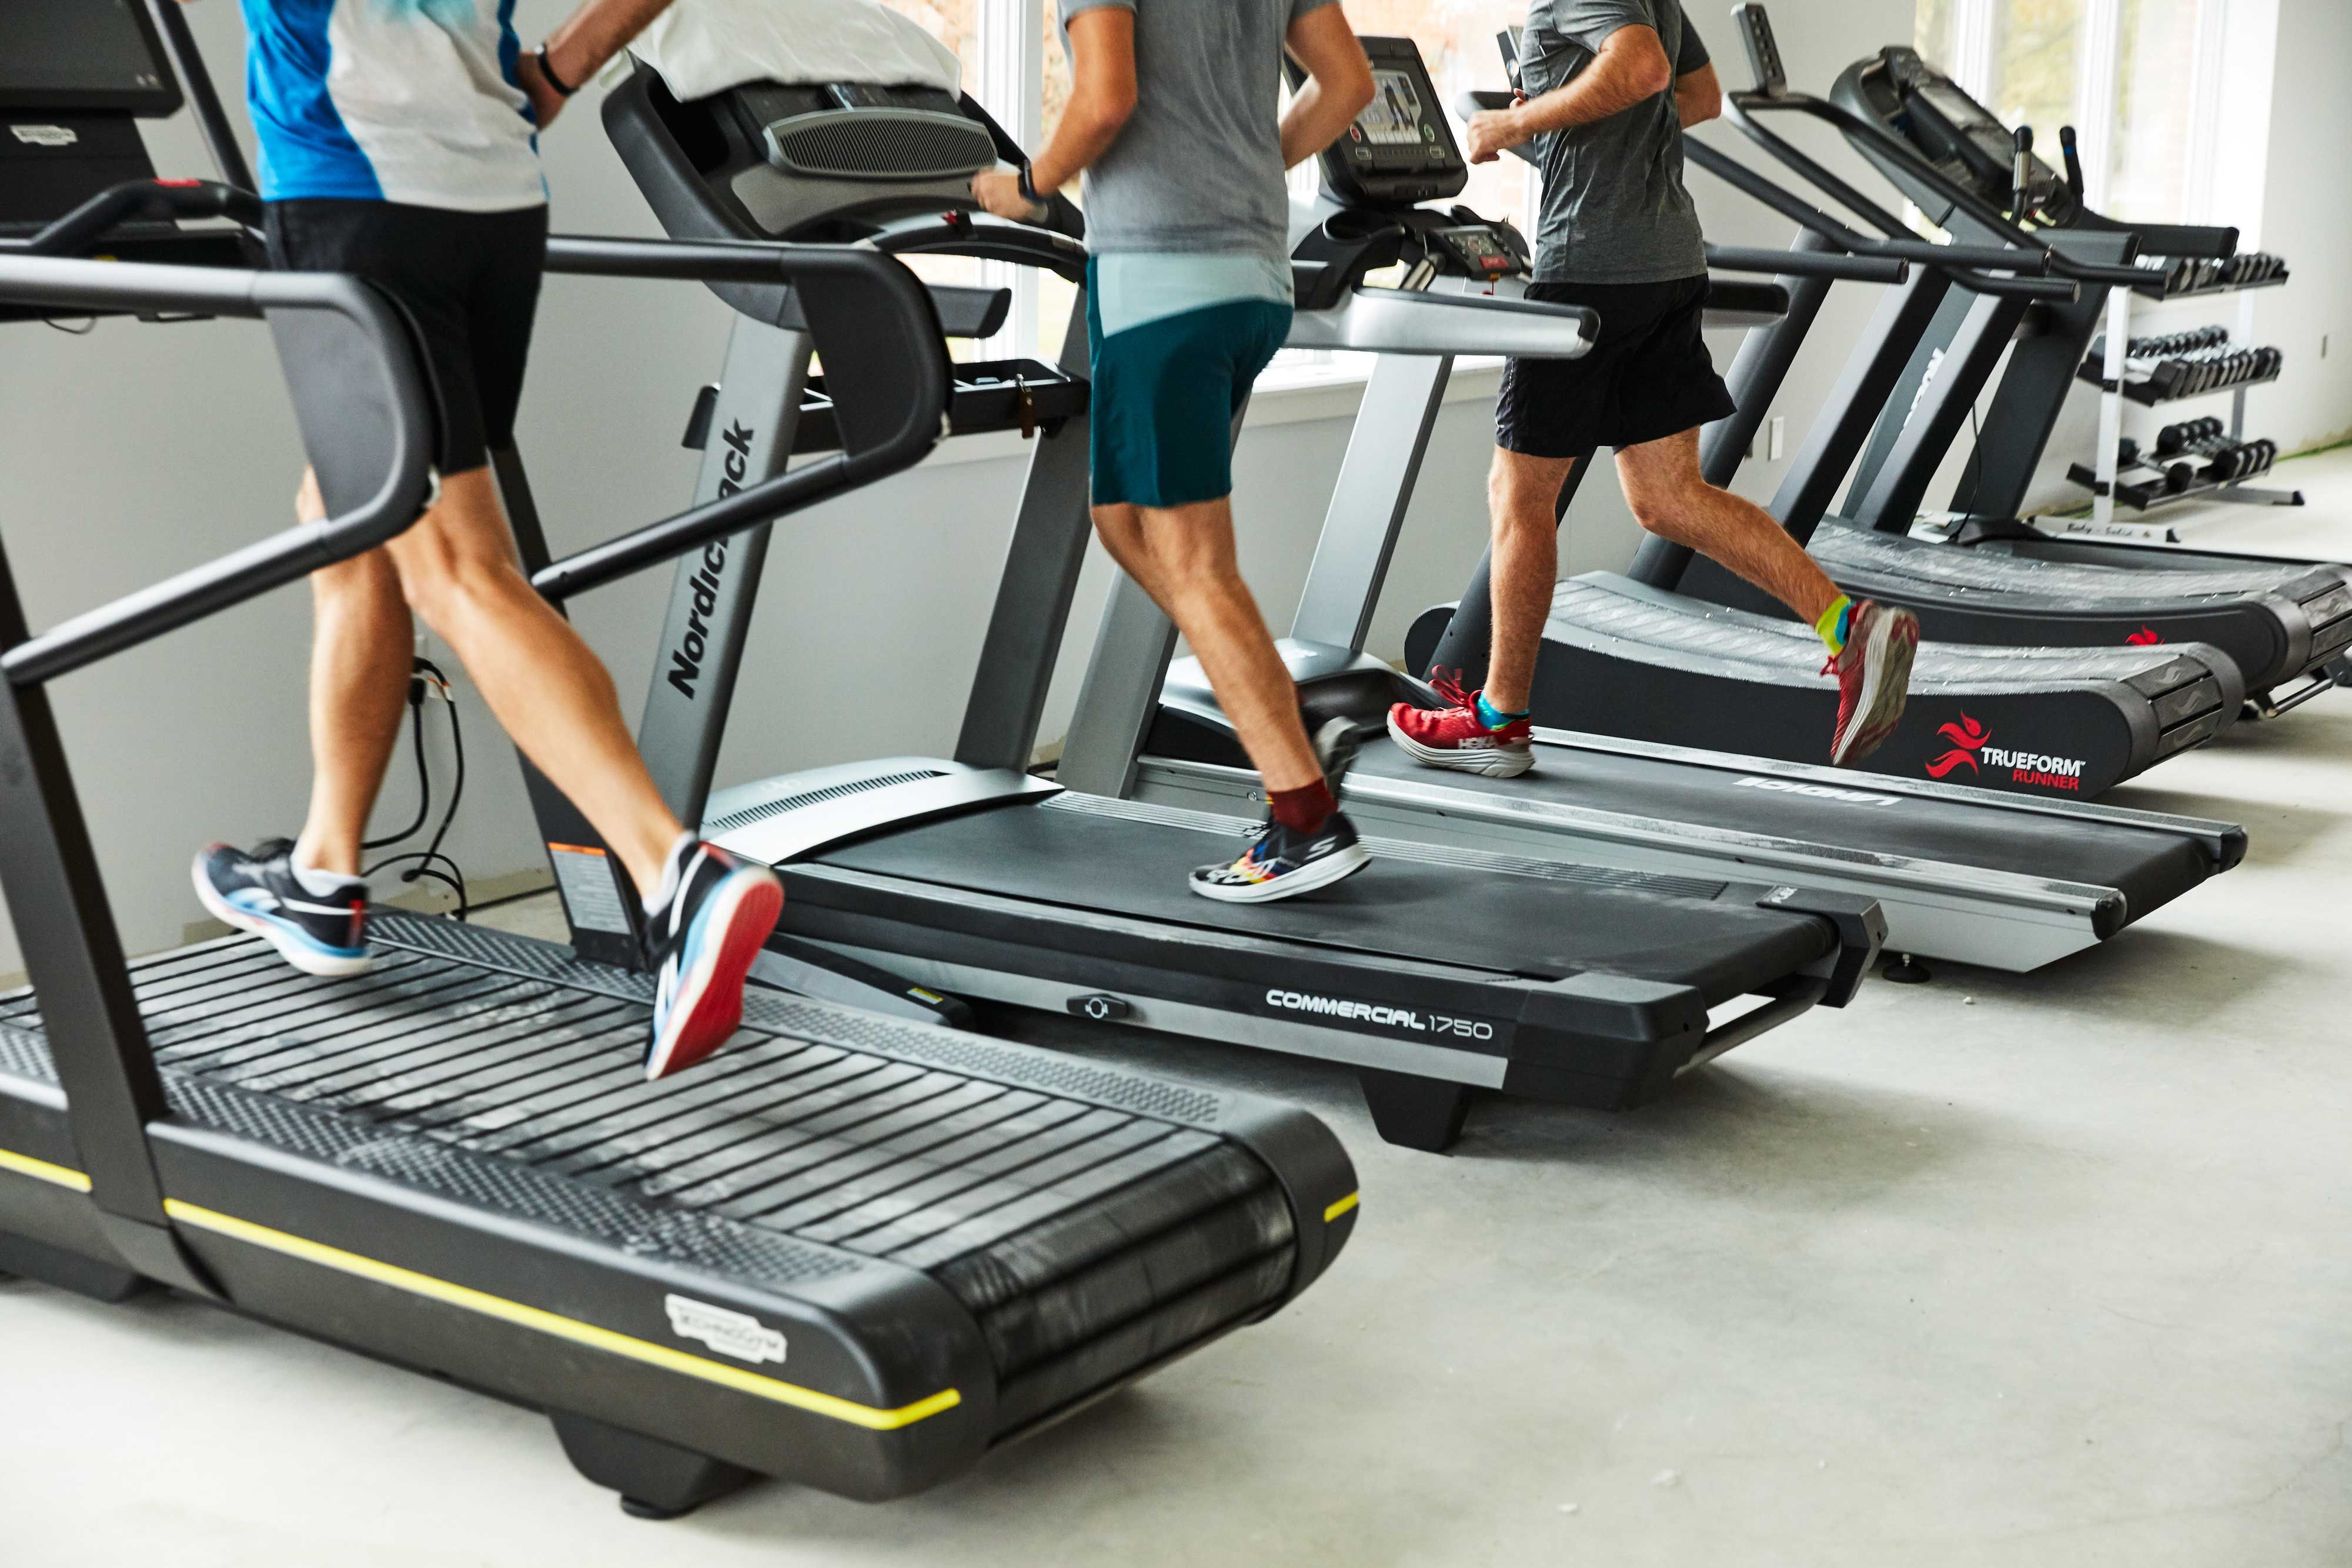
426	681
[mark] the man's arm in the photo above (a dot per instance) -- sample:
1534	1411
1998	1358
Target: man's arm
1630	67
580	48
1339	84
1102	98
1698	96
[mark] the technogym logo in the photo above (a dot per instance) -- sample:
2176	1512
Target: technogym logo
1407	1020
686	659
1971	748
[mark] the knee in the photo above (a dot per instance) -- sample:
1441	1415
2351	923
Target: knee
449	587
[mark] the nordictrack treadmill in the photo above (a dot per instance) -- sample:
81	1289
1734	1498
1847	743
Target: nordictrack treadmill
851	1251
1627	656
2285	625
966	873
1997	879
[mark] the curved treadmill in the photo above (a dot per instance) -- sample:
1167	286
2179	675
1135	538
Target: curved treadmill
851	1251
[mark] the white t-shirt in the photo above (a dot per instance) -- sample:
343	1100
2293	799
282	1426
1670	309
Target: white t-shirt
391	100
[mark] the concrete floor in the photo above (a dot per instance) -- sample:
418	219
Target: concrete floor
2000	1271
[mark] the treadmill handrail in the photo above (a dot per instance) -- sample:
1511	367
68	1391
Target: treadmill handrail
964	234
151	199
1404	321
918	356
1742	109
1770	262
284	556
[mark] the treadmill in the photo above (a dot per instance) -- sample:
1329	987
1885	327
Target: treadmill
1434	976
1629	658
854	1251
2285	625
2004	879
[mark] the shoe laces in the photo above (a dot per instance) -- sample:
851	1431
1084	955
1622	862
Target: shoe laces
1449	691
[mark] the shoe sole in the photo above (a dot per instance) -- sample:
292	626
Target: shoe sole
1333	868
1885	687
709	1007
1495	763
295	948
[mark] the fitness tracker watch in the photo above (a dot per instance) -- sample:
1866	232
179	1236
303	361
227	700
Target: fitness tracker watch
1029	188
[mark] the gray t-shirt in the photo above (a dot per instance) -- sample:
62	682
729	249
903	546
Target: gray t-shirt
1198	167
1615	210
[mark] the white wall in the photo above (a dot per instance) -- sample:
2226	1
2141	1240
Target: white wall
138	449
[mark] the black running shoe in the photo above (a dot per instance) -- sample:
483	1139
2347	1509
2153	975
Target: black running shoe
1284	864
717	914
1335	745
320	933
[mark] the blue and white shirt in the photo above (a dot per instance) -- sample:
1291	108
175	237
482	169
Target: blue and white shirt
391	100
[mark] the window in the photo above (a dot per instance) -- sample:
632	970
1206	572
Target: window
2127	73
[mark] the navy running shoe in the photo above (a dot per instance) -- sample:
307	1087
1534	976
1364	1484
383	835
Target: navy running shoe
321	934
716	913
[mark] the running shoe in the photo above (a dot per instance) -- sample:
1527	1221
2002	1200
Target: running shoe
718	913
1454	736
1283	863
322	933
1873	675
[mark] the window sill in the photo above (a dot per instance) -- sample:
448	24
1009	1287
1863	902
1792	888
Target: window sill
1287	396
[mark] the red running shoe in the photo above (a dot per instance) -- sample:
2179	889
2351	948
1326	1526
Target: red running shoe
1874	677
1453	736
718	918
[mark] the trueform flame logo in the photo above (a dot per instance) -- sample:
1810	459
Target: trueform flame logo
1970	748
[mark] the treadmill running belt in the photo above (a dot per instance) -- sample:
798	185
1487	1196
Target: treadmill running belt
2147	867
2059	584
1539	922
1088	1238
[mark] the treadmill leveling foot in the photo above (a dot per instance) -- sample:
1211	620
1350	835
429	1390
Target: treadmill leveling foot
1906	970
656	1479
1412	1113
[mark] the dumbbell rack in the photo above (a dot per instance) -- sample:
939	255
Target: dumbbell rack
2110	370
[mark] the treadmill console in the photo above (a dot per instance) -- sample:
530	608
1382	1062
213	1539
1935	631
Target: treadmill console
1901	91
76	77
1400	149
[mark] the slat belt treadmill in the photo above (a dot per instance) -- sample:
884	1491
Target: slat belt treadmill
850	1250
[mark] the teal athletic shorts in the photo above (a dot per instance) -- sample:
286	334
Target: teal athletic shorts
1165	394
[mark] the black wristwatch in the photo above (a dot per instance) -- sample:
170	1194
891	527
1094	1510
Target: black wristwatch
1029	188
547	70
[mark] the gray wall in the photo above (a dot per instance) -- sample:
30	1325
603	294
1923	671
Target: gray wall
138	449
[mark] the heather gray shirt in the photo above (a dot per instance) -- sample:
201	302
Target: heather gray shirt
1198	167
1615	210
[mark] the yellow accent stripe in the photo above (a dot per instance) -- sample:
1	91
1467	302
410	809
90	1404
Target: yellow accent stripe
735	1377
41	1170
1340	1207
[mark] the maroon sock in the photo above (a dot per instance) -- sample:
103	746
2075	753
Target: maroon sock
1303	810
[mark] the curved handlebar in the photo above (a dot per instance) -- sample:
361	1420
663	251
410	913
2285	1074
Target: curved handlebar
1808	263
140	199
959	233
284	556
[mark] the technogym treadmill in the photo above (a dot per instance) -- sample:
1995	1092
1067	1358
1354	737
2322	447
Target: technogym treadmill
1997	879
2283	624
1432	975
851	1251
1635	658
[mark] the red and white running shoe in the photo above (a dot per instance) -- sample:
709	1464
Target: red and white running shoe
720	914
1873	675
1454	737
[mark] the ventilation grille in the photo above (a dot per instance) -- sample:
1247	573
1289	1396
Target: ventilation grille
782	803
880	145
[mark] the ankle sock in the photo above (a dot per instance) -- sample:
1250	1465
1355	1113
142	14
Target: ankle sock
1303	810
673	869
323	884
1494	717
1835	623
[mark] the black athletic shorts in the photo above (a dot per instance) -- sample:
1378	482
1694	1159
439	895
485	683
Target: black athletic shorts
1648	377
469	281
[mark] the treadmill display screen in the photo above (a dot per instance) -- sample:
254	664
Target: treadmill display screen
93	54
1393	116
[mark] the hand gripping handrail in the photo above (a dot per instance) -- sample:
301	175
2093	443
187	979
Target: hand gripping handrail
284	556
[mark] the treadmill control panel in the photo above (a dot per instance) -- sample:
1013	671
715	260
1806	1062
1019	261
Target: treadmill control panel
1954	131
1480	250
1402	149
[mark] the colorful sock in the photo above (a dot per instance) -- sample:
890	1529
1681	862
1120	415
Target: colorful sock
1303	810
1836	621
1492	716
